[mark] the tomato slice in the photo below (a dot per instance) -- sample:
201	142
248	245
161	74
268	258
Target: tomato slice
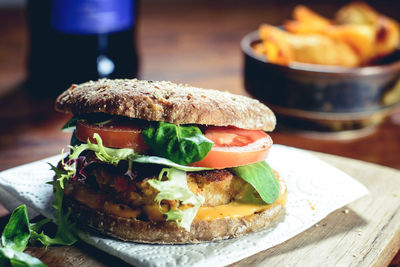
113	134
232	146
235	147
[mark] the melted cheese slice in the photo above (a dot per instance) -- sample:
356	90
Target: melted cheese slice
236	209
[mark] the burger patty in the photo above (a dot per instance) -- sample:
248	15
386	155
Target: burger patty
218	187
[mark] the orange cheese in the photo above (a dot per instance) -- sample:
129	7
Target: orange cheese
120	210
231	210
237	209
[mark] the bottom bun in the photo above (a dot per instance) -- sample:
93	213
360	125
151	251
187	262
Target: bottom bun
129	229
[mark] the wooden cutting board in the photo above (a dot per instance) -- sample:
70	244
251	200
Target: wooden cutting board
364	233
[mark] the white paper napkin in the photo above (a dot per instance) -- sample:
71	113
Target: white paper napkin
315	189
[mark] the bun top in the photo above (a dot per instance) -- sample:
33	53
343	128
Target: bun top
166	101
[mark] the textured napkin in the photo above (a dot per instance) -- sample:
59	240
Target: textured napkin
315	189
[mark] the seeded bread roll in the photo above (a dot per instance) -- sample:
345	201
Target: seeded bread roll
166	101
168	232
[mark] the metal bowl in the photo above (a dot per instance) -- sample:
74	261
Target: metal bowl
323	98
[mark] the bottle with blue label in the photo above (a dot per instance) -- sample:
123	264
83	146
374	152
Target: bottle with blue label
73	41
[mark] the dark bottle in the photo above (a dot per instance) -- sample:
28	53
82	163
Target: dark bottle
73	41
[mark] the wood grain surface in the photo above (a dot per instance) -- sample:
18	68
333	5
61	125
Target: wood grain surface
197	42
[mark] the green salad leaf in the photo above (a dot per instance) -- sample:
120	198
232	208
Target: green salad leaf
10	257
71	124
176	188
65	234
75	141
14	240
105	154
63	175
261	177
16	234
181	144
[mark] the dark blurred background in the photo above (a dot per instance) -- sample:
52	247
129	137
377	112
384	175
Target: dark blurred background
196	42
203	33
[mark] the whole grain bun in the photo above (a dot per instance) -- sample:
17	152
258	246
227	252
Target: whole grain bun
166	101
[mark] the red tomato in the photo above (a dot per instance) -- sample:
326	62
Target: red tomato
235	147
122	135
232	146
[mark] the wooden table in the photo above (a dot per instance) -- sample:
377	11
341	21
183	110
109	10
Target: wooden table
196	43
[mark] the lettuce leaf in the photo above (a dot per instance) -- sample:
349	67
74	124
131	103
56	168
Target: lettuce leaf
65	234
105	154
16	234
176	188
10	257
15	238
18	230
181	144
66	173
261	177
70	125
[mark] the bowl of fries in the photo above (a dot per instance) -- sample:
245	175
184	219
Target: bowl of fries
326	74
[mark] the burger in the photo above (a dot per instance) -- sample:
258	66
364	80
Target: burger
158	162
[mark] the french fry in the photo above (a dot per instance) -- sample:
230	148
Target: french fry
320	49
304	14
300	27
313	48
259	48
306	21
360	38
276	48
387	31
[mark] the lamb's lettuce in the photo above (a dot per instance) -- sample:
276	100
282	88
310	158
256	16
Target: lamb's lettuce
16	234
19	231
176	188
261	177
181	144
14	240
